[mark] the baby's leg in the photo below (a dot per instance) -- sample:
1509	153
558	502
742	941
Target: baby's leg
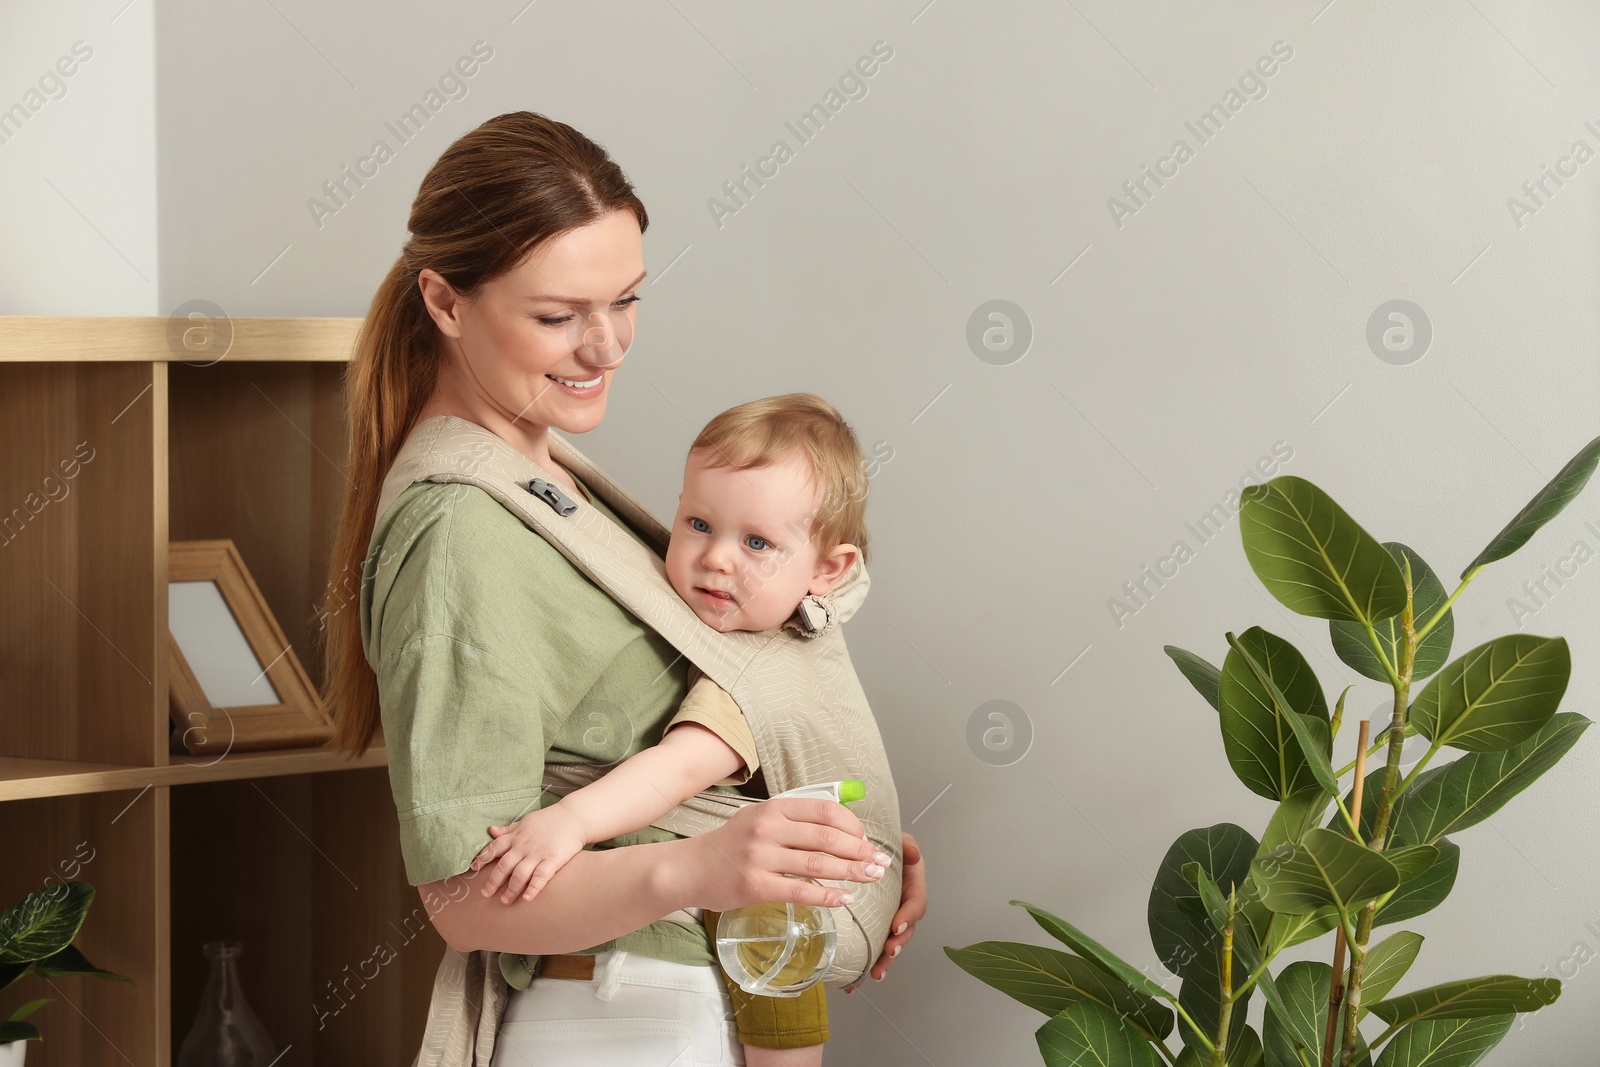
808	1056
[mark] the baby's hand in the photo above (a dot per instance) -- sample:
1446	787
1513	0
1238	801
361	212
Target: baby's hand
530	850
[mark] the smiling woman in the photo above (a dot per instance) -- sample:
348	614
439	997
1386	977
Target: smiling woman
513	353
486	653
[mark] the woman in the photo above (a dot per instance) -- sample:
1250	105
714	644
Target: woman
487	655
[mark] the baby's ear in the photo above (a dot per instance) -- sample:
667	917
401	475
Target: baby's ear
833	567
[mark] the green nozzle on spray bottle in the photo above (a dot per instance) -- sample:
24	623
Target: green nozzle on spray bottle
780	949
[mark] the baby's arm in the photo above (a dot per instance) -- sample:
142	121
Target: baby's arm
633	794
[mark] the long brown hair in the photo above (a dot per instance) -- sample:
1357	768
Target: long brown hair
495	195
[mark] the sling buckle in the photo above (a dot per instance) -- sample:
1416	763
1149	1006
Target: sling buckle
551	494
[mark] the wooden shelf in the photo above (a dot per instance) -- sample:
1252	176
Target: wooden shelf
89	339
118	441
26	779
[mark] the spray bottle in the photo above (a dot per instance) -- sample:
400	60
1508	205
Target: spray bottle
781	949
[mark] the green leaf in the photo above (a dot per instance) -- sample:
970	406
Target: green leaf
1371	796
1387	963
1324	868
1545	505
1249	913
1428	595
1469	998
1495	696
1293	817
18	1032
44	922
1247	951
69	963
1425	891
1317	743
28	1009
1264	680
1446	1042
1202	675
1291	930
1179	929
1050	981
1411	861
1463	793
1094	951
1090	1035
1313	557
1245	1050
1211	897
1304	988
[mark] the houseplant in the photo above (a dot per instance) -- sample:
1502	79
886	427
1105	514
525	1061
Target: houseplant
36	937
1224	904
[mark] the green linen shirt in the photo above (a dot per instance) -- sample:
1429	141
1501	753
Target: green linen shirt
493	655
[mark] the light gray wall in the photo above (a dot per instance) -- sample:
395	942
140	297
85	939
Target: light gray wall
1173	346
78	159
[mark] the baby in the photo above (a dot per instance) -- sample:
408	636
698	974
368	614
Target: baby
772	509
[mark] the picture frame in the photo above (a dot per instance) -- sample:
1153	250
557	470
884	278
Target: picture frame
236	684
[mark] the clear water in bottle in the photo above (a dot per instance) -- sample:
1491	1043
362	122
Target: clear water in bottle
776	949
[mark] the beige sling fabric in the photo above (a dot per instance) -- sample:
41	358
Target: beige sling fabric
469	997
795	684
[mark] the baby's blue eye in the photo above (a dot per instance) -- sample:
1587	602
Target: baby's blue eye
762	545
696	528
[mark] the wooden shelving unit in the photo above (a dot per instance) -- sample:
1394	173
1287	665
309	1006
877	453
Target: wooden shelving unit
114	445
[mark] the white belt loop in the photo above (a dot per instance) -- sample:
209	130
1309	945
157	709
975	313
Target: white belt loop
611	978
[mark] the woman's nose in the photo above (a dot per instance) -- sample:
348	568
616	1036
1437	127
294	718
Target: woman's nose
598	346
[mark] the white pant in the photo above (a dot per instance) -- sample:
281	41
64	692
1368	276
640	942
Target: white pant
636	1011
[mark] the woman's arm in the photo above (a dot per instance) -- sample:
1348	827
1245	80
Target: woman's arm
596	896
605	893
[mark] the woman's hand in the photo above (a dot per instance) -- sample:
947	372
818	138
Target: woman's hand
743	861
913	906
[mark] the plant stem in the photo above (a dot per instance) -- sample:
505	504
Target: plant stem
1421	763
1380	823
1199	1033
1386	1035
1397	728
1336	975
1219	1052
1350	820
1428	626
1253	977
1330	1039
1377	646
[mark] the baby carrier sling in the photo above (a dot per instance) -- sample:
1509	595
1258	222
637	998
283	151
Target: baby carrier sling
796	686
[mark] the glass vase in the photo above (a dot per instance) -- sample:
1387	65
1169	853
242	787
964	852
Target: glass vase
226	1033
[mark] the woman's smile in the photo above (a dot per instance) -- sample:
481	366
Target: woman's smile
590	388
